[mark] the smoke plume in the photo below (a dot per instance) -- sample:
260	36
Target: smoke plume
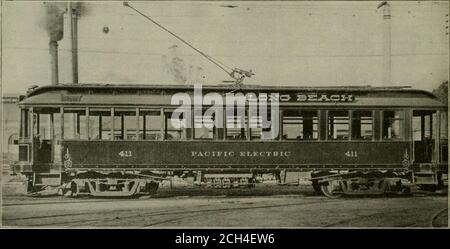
80	9
177	68
54	18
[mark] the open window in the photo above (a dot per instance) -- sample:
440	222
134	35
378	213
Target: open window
393	127
237	125
362	125
100	123
444	136
125	124
43	122
204	125
300	125
444	126
338	125
75	123
256	127
176	128
150	124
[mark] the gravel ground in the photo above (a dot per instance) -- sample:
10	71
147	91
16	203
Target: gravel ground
263	206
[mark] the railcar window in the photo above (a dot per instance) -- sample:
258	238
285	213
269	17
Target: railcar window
57	125
236	126
434	125
204	127
338	125
444	125
300	125
150	123
75	122
125	124
417	129
176	129
100	124
362	125
393	125
69	127
424	125
256	127
43	124
24	124
260	123
35	124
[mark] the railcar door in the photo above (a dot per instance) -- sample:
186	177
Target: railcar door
424	132
427	126
42	139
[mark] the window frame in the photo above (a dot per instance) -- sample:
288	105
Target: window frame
214	129
372	115
349	113
300	110
402	124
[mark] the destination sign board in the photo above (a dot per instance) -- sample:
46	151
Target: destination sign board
316	97
301	97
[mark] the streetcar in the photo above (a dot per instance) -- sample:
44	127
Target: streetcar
119	140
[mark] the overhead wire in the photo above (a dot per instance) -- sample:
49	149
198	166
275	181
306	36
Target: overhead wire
217	63
255	56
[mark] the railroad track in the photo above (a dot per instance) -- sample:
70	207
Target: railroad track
435	217
60	202
146	217
222	210
178	211
360	217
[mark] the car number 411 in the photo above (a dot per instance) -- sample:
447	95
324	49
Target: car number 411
125	153
351	153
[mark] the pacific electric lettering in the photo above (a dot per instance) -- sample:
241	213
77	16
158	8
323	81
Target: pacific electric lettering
235	108
240	153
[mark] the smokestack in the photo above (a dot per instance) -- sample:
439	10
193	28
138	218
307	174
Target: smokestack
54	27
70	40
386	43
75	45
54	62
72	21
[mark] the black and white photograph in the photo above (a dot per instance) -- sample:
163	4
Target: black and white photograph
224	114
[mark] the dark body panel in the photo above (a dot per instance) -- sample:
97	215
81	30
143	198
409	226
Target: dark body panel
244	155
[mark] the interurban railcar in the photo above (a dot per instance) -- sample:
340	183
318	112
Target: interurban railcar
119	139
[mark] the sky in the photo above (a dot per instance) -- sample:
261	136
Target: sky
283	43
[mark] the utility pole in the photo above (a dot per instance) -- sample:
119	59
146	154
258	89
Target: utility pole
69	37
75	45
54	61
72	26
386	43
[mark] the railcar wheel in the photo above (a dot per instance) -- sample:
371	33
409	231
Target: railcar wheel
71	190
152	187
429	188
316	187
331	190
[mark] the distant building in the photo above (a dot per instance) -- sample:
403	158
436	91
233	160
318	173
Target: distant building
10	123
